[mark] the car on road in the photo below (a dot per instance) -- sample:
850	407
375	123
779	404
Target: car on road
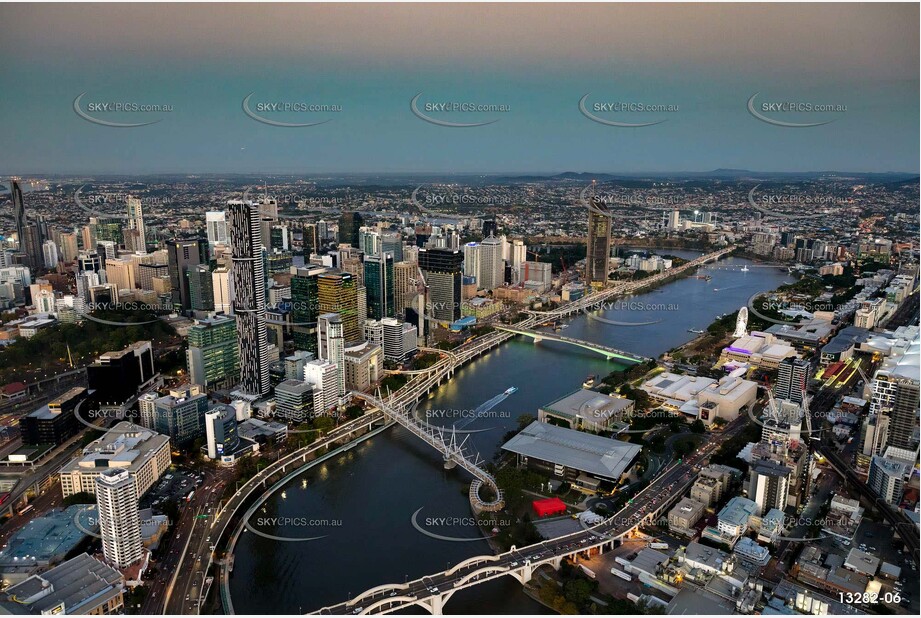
357	611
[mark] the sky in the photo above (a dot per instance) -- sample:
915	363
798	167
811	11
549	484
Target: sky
531	64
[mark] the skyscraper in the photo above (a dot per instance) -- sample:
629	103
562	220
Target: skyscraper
184	254
305	302
19	212
337	293
349	225
249	296
598	245
214	354
201	291
331	344
441	269
222	291
792	377
216	227
138	234
119	518
380	286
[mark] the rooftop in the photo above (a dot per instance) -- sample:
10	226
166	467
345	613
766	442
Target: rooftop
73	587
574	449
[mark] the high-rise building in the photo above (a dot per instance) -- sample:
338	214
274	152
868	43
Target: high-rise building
887	479
221	431
201	292
598	245
69	249
518	255
792	377
895	399
324	378
337	293
294	400
249	296
349	225
305	303
379	281
19	213
50	254
184	254
405	275
222	291
119	272
397	339
117	377
442	271
181	414
147	273
214	355
768	484
216	227
119	517
392	243
490	227
331	344
136	225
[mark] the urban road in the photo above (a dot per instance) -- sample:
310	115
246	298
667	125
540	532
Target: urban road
429	590
186	596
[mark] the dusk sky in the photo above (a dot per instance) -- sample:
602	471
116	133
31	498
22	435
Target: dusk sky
538	60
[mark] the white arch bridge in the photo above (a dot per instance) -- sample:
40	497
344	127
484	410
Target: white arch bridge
607	351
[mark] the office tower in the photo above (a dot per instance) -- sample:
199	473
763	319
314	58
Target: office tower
50	254
397	339
222	291
322	231
369	241
120	274
55	422
405	275
768	484
309	239
337	293
216	227
294	364
472	257
69	249
279	238
305	302
598	245
181	414
183	254
89	262
119	376
324	378
294	401
331	344
107	228
380	286
119	518
441	269
792	377
249	296
268	208
903	425
674	219
19	213
363	366
518	255
201	292
138	234
221	431
148	272
392	243
349	225
490	275
490	227
214	356
894	401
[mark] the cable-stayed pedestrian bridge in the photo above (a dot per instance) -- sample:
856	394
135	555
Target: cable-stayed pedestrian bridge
607	351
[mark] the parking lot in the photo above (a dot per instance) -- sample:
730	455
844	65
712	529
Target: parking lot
175	484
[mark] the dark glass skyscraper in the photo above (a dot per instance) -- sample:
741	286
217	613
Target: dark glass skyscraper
305	299
349	224
598	246
249	295
184	254
442	269
379	286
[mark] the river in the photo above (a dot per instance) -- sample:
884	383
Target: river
362	503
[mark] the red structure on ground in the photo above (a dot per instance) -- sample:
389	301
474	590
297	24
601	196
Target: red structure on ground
548	506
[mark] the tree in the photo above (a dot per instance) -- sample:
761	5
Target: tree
698	426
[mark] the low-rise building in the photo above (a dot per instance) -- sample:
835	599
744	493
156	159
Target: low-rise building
588	410
82	585
685	515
